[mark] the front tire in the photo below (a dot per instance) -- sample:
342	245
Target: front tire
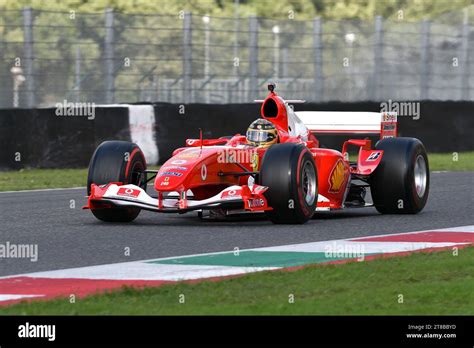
400	183
116	161
291	176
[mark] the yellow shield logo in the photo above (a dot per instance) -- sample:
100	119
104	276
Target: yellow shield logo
337	177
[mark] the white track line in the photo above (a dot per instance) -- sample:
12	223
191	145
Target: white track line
147	271
45	190
8	297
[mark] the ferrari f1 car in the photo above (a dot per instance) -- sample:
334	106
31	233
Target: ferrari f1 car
277	168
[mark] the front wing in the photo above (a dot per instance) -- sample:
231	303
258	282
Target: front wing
245	197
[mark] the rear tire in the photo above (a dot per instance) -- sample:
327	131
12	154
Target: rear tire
400	184
116	161
291	176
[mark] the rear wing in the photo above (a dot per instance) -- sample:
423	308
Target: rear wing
343	122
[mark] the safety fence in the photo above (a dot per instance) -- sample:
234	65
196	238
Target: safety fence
47	57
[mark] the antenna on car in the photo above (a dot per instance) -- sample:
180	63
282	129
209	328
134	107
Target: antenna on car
200	137
271	87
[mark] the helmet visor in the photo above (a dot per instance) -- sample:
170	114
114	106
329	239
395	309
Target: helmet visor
260	136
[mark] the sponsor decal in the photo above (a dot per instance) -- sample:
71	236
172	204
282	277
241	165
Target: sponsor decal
230	194
175	168
255	160
389	117
373	156
203	172
389	124
171	174
128	192
188	154
336	179
389	127
179	161
256	203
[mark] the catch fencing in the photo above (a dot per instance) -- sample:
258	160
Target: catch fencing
47	57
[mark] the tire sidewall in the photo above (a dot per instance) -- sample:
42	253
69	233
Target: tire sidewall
110	164
394	180
416	203
125	172
282	171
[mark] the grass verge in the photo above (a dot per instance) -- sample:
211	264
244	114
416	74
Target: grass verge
28	179
430	283
462	161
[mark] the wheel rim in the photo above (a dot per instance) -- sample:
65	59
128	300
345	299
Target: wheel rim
420	176
308	183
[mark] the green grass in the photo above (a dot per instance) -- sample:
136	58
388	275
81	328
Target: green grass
431	283
455	161
27	179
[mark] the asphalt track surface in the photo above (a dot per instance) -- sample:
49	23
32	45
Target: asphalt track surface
71	237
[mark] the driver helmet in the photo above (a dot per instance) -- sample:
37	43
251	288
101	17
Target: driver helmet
262	133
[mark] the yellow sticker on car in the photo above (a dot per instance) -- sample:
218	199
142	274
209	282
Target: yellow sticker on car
254	161
337	177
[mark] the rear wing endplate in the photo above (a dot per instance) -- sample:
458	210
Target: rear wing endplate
341	122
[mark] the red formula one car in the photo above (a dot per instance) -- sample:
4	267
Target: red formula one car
277	168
